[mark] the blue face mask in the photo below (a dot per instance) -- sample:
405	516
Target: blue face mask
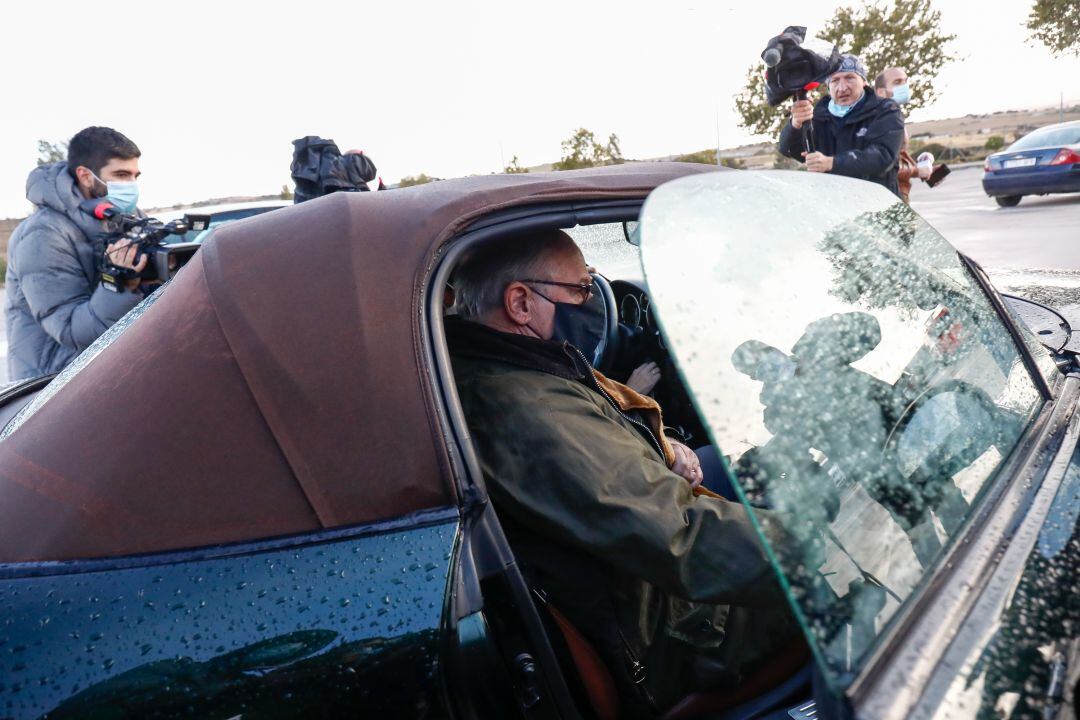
839	110
124	195
901	94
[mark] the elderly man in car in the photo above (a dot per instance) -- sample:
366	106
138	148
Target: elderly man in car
606	515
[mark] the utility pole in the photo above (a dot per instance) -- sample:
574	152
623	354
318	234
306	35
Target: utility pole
1061	108
718	136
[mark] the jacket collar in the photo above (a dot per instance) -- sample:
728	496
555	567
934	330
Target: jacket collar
473	340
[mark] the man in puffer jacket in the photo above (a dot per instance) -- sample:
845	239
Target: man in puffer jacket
56	306
856	133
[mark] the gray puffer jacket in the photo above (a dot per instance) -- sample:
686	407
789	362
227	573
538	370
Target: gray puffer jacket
56	305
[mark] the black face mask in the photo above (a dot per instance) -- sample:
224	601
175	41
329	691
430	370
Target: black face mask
583	326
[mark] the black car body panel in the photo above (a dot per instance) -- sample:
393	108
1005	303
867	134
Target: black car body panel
350	625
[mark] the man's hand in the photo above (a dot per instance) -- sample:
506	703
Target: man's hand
686	464
801	112
816	162
122	254
644	378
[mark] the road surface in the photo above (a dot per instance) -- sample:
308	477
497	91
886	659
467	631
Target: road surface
1041	233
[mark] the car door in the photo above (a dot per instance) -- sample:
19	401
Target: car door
325	624
871	397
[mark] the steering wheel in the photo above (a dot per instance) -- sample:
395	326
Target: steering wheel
608	347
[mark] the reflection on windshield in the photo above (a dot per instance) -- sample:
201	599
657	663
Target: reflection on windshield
860	384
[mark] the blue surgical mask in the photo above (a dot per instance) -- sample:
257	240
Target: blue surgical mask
839	110
901	94
124	195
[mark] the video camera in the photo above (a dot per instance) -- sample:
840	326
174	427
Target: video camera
793	69
164	259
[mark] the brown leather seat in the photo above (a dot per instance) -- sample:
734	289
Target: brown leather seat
603	698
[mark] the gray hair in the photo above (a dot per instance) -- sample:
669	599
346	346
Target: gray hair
481	278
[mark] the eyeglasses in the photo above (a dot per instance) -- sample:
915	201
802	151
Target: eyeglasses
585	290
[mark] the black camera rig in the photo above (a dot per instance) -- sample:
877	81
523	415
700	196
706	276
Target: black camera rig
793	70
150	235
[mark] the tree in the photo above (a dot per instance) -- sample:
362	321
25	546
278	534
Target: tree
515	167
900	33
286	193
581	150
410	180
51	152
705	157
1056	24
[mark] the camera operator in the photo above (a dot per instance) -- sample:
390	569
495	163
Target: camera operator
855	132
56	305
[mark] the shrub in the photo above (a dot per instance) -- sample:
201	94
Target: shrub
994	143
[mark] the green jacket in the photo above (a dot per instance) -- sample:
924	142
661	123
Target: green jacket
620	543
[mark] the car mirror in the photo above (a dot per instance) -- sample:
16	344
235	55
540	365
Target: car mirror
632	232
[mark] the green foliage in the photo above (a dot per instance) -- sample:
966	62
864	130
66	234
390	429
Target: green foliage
410	180
3	269
286	193
705	157
936	149
1056	24
994	143
51	152
731	162
515	167
581	150
899	33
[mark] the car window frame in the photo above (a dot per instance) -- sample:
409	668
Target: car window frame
483	541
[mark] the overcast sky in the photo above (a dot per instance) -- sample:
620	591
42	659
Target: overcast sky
214	92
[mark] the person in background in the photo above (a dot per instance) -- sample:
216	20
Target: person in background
55	302
892	84
855	132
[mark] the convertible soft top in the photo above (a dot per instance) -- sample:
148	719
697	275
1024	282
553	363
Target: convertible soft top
278	386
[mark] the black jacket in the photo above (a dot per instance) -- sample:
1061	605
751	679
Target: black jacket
865	144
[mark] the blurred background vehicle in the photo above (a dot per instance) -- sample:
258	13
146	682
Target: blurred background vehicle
1042	162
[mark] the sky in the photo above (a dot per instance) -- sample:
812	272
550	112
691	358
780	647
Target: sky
214	93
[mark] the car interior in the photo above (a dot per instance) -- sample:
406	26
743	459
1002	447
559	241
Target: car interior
632	337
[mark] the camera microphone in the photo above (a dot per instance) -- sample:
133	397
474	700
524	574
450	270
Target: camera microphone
771	57
99	208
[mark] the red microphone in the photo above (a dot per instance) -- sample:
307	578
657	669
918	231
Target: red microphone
100	208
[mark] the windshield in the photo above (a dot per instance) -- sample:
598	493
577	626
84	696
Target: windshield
1048	137
858	382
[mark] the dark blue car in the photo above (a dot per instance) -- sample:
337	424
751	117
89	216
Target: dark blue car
1042	162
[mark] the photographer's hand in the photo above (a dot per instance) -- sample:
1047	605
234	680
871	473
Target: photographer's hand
801	112
122	254
817	162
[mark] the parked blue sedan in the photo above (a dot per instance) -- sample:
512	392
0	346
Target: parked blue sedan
1042	162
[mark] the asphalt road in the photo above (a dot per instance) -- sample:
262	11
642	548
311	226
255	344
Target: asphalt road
1041	233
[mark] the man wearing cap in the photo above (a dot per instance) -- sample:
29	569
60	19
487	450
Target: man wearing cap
855	132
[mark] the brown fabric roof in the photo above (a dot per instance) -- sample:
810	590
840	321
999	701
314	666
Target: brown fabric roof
278	386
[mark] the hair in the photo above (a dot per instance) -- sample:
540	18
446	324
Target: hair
879	81
481	278
94	147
